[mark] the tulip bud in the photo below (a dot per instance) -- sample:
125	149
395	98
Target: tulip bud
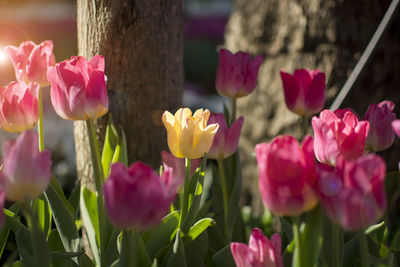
380	134
353	194
338	133
287	173
178	165
31	61
19	106
226	139
259	252
26	171
136	197
189	136
304	91
78	88
237	73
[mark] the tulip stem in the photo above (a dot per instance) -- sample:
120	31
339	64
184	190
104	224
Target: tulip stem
224	192
304	120
186	188
233	115
40	123
363	250
297	257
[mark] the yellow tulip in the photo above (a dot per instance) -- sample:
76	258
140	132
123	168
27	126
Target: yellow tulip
189	136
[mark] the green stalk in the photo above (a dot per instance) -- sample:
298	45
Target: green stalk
304	125
40	123
297	257
186	188
233	117
363	250
336	252
98	179
224	192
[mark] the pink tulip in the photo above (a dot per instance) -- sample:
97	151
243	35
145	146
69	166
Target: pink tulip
2	199
226	139
26	171
260	252
178	166
78	88
19	106
237	73
353	195
304	91
31	61
287	173
338	133
380	134
136	197
396	127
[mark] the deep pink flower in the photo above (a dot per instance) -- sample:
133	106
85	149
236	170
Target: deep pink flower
287	173
136	197
260	252
78	88
26	171
178	165
380	134
304	91
226	139
19	106
237	73
353	194
338	133
396	127
31	61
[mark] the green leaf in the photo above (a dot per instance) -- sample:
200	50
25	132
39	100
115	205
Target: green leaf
44	214
133	251
224	258
63	215
13	221
110	142
311	237
350	249
160	236
4	232
233	208
199	227
374	227
332	247
196	250
121	150
85	261
177	257
90	217
75	197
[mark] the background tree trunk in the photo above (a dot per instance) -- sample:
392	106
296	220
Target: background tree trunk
142	42
326	34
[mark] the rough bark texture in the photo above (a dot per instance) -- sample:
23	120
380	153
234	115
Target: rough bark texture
326	34
141	41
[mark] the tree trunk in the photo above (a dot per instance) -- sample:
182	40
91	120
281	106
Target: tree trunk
142	43
328	35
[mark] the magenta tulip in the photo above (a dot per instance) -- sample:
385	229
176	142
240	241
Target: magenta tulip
19	106
304	91
178	165
31	61
396	127
338	133
26	171
136	197
226	139
260	252
237	73
287	173
380	134
353	194
78	88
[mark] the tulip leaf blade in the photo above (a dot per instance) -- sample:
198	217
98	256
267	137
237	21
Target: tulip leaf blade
110	142
121	150
63	216
89	213
133	250
224	258
44	214
199	227
177	256
160	236
196	250
233	207
4	233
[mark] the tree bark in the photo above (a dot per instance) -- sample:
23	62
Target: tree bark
142	43
328	35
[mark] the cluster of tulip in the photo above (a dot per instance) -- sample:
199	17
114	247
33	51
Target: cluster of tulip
134	218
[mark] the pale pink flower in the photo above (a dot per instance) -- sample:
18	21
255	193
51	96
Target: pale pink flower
260	252
31	61
78	88
178	166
